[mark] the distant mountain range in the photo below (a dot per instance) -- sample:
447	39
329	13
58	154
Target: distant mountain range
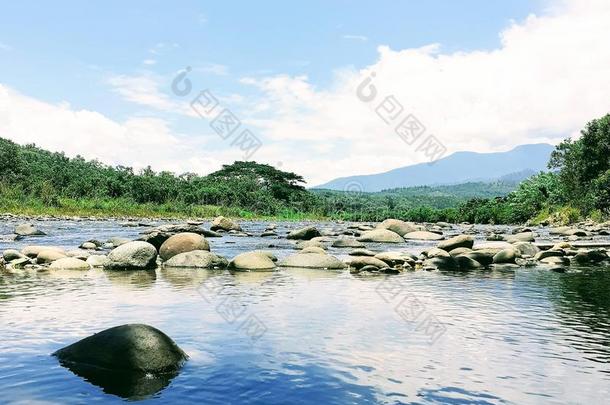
460	167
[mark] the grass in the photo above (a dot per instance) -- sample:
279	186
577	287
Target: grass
117	208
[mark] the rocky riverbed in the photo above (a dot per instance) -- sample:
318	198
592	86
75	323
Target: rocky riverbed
391	247
269	312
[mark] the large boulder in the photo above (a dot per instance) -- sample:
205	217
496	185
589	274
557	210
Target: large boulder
381	236
133	347
197	259
69	263
347	243
157	236
397	226
460	241
313	261
423	235
28	230
225	224
256	260
182	243
132	256
307	233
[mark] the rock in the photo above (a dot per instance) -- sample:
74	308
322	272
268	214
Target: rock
133	347
423	235
505	256
313	249
132	256
201	259
309	243
28	230
441	263
256	260
397	226
396	258
313	261
69	263
225	224
381	236
88	246
268	233
436	252
97	260
361	261
499	245
182	243
49	255
33	251
306	233
558	269
521	237
79	254
564	261
362	252
459	251
347	243
561	246
12	254
526	249
117	241
549	253
468	263
585	256
460	241
484	257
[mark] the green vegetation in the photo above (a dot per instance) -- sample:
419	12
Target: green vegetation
35	181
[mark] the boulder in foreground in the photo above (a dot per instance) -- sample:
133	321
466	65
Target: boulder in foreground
182	243
132	347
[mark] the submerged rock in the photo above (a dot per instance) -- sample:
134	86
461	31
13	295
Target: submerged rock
182	243
132	256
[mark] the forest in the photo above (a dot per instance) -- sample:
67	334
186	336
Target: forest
36	181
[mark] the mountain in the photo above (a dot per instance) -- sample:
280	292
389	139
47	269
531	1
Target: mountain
460	167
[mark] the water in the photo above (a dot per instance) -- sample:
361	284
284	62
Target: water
524	336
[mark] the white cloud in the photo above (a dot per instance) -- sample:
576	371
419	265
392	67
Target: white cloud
546	80
136	142
142	90
356	37
5	47
149	62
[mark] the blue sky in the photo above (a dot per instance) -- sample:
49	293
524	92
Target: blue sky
93	56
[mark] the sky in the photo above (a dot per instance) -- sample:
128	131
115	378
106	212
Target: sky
321	88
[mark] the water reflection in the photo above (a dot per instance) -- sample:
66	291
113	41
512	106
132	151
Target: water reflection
132	279
186	277
127	385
